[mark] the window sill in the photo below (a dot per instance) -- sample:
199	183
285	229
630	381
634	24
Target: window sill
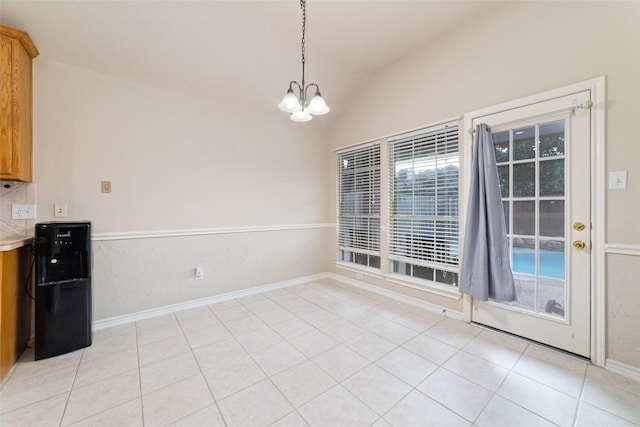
424	285
359	269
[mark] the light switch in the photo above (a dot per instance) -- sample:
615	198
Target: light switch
618	180
23	211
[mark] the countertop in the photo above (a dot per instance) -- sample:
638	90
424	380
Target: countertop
8	243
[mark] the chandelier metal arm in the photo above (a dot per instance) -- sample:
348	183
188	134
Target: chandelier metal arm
304	96
303	92
295	83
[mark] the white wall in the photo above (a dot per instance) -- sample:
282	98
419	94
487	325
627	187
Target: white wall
177	163
520	49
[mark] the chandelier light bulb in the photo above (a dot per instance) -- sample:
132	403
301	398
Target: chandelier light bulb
290	103
317	105
301	116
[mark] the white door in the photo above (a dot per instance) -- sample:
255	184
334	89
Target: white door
543	157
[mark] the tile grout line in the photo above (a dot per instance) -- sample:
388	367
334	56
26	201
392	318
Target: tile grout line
139	374
75	377
580	401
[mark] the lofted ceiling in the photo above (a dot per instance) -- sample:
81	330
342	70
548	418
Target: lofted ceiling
237	51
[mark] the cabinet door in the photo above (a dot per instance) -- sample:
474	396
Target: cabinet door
15	110
7	148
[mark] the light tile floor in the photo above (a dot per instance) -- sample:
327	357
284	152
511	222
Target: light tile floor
320	354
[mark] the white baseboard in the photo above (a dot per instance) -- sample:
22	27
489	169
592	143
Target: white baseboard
623	369
397	296
146	314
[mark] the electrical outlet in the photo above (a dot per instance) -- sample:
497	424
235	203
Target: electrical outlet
60	210
23	211
199	273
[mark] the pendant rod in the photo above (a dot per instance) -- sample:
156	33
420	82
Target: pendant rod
303	6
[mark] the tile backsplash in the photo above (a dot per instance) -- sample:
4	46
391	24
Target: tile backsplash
14	192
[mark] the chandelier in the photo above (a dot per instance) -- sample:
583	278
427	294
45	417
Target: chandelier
297	104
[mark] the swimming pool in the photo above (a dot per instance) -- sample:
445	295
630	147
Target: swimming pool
551	262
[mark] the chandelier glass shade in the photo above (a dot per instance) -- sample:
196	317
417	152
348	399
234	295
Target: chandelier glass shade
296	100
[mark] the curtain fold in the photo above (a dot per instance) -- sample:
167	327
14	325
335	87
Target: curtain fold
485	271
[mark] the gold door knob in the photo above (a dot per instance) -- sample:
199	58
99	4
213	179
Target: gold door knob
579	244
578	226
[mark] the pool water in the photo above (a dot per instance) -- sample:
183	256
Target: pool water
551	262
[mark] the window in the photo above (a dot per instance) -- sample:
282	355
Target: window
359	206
419	206
423	210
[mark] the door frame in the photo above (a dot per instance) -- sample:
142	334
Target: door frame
597	87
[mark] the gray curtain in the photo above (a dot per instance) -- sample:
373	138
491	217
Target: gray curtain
485	272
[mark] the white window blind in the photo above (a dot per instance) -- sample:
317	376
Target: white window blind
359	205
423	172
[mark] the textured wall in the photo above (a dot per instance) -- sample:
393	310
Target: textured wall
140	274
622	308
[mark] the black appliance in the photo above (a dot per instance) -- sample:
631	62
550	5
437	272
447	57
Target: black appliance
63	287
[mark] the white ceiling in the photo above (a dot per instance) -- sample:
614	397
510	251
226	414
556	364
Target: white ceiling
246	51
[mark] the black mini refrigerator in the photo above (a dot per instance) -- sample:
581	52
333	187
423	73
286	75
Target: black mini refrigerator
63	287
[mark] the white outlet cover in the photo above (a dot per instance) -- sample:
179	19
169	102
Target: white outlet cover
60	210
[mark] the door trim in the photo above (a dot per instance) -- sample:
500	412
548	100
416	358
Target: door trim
597	87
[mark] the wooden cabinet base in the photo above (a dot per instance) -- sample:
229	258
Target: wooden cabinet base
15	313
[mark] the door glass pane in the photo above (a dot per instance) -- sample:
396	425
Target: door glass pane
551	178
503	180
501	144
551	221
524	256
524	179
552	139
551	282
524	218
524	143
551	255
523	263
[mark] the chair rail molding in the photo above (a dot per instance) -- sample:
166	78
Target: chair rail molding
131	235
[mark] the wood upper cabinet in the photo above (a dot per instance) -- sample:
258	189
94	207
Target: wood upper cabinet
16	54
